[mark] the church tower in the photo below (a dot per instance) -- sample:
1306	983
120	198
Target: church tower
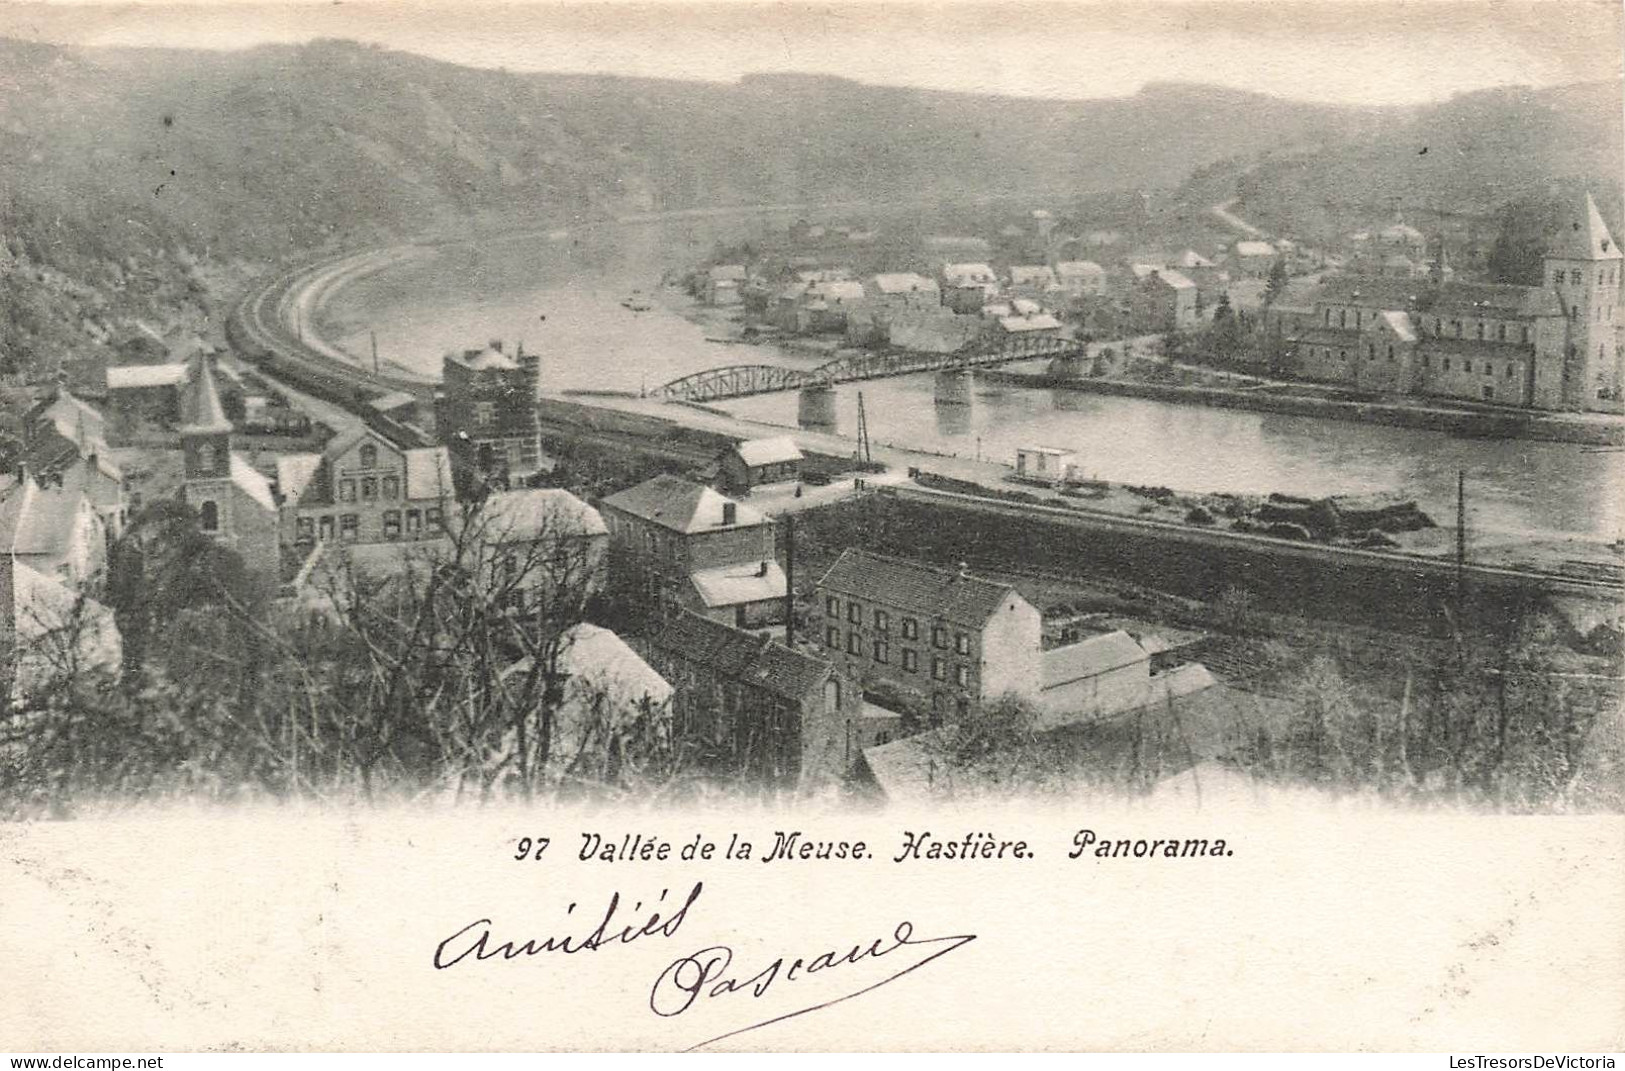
206	444
1584	267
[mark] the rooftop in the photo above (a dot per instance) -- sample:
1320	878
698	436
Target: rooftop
742	656
774	451
531	513
681	505
1585	237
735	585
918	588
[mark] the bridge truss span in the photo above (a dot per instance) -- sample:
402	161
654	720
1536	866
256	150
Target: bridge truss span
744	380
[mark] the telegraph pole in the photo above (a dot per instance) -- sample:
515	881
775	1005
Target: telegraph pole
374	335
1461	540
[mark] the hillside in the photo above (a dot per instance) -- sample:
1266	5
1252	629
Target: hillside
143	183
1469	156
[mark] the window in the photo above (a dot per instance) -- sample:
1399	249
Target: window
1467	366
854	643
832	607
1328	317
349	527
854	613
1481	329
832	694
205	457
1575	277
882	653
305	529
1447	364
392	487
485	414
1557	277
911	659
346	490
1489	369
392	524
832	637
1371	351
1455	326
939	637
1438	326
1342	355
431	517
962	675
369	488
1390	353
209	516
414	521
1427	361
1342	317
911	629
1509	372
369	456
962	643
1526	333
1500	332
324	528
882	621
962	705
939	669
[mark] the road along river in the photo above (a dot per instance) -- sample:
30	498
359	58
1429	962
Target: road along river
561	293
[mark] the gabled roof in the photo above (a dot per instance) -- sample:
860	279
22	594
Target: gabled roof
202	414
917	588
395	399
251	482
904	282
1373	291
837	290
1585	236
726	273
294	473
1078	268
741	656
733	585
1176	280
1037	322
528	514
957	274
774	451
428	473
41	520
1254	249
681	505
1029	274
1190	258
1091	657
1398	324
131	376
1503	298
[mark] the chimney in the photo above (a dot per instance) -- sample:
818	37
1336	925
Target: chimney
730	513
761	570
496	344
964	571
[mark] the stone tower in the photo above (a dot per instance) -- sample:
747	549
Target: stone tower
1584	266
206	445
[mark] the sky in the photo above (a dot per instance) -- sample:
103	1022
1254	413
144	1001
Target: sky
1369	51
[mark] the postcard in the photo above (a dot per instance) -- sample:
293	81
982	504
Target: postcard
812	527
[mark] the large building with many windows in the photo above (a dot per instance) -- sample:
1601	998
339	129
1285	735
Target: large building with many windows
1553	346
958	640
366	487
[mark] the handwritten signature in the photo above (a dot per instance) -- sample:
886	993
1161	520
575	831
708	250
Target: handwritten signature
703	975
709	973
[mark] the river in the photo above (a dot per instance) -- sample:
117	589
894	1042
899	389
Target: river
502	288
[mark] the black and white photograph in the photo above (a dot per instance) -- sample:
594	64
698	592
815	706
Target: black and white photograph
1016	526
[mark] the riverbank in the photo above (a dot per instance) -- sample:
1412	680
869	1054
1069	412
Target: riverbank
1579	429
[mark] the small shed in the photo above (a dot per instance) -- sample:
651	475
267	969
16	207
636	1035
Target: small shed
1045	463
755	462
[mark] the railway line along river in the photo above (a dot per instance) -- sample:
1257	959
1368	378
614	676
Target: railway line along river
563	295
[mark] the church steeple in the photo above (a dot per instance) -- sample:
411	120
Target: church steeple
205	431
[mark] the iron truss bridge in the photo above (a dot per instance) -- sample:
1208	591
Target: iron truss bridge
744	380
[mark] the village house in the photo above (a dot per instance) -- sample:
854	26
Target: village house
955	639
365	487
1027	325
539	541
1081	278
1163	300
962	642
1554	346
1032	280
49	632
51	525
967	286
65	433
758	462
685	545
724	284
1252	259
485	414
939	330
752	707
147	392
899	290
825	306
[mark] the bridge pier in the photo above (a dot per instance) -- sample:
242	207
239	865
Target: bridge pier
815	408
956	387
